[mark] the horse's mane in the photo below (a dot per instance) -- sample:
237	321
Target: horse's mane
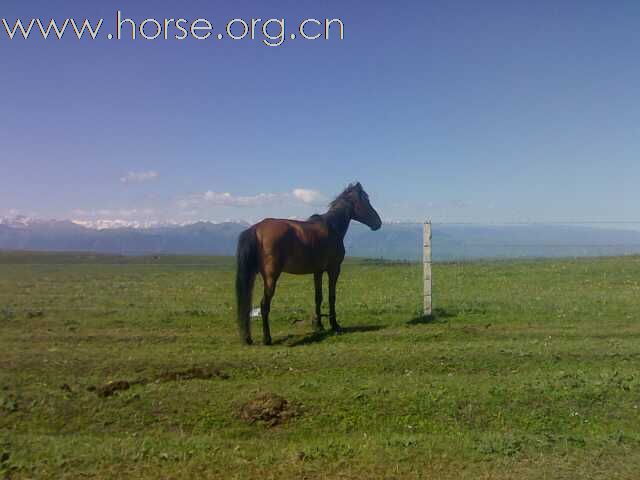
338	207
343	197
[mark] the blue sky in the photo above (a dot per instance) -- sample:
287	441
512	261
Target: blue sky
458	111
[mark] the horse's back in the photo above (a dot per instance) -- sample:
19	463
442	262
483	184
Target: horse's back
294	246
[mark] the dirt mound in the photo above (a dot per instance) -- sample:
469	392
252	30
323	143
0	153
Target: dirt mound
110	388
269	409
195	373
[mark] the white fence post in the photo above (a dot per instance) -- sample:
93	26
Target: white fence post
426	268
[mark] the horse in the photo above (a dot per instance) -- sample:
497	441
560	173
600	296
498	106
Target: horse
314	246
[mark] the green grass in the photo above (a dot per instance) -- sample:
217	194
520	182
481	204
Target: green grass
529	369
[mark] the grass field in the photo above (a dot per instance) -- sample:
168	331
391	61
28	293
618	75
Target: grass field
529	369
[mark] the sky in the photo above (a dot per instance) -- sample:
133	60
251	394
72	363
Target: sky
455	111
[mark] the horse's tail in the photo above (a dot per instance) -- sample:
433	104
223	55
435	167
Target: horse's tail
247	268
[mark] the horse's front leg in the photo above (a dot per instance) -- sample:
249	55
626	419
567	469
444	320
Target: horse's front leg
333	280
317	281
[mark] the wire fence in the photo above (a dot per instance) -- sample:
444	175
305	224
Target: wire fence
539	239
452	241
457	247
482	258
468	241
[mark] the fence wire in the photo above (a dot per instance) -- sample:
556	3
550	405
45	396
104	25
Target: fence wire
470	260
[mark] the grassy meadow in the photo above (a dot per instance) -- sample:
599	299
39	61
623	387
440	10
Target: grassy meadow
528	370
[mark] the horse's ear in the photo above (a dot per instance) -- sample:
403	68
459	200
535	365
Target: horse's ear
358	186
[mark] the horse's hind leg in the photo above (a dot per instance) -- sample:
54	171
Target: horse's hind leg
333	280
269	281
317	281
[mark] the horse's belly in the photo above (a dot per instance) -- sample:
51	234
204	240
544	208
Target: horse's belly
298	269
302	264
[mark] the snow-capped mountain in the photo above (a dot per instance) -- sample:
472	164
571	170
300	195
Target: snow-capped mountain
393	241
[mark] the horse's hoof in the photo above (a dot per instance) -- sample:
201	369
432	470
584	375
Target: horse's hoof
267	341
247	341
337	330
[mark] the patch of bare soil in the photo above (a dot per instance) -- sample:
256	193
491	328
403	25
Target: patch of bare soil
269	409
195	373
110	388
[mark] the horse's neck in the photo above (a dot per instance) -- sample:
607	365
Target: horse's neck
338	219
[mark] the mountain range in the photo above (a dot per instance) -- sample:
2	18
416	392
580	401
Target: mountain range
398	241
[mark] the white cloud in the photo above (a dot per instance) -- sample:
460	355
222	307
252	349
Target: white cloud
226	199
310	197
460	204
139	177
207	205
10	212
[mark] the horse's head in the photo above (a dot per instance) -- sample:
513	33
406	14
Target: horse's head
362	211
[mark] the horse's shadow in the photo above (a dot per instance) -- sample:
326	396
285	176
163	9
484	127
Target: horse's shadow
319	336
439	315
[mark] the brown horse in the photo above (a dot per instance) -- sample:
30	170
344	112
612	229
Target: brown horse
313	247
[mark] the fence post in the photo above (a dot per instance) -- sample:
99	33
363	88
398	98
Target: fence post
426	267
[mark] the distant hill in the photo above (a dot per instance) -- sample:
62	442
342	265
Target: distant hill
457	242
393	241
198	238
